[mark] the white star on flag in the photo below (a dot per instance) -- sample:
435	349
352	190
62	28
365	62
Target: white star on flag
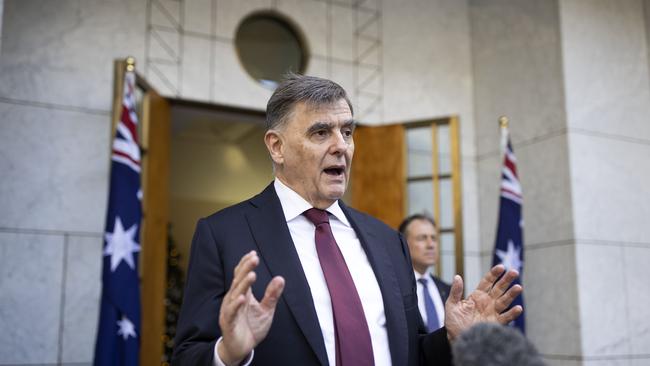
121	245
510	258
126	328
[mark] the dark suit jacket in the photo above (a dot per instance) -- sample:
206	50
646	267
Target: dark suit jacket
443	288
295	337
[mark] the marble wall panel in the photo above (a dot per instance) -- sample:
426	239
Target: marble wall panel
311	19
343	74
489	169
473	271
231	84
62	52
636	273
343	27
31	270
646	8
470	205
426	59
230	13
611	197
517	70
196	68
318	66
551	300
641	361
603	322
55	167
559	361
606	72
83	265
166	13
198	16
2	5
622	361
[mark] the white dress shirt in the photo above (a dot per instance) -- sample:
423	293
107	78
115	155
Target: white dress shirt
435	296
302	233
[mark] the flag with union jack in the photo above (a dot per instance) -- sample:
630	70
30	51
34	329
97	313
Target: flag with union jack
118	334
509	245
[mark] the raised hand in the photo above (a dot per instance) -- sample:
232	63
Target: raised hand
244	321
486	304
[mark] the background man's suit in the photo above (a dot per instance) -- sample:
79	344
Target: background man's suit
443	288
295	337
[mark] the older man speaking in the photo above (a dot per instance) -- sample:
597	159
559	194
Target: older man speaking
293	276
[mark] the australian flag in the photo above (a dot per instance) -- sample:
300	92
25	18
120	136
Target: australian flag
509	246
118	334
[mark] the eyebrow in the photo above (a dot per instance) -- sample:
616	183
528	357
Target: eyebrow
328	125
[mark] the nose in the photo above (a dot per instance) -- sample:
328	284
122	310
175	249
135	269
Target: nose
431	243
339	143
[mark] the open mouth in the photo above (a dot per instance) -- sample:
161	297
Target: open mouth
334	171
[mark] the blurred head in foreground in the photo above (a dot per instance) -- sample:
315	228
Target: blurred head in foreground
491	344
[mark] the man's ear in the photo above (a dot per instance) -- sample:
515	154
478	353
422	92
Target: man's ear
273	142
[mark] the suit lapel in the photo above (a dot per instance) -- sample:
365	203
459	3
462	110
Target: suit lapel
277	251
386	277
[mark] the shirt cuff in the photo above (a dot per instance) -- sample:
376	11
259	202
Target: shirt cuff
217	361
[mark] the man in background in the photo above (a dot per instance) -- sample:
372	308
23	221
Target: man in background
420	233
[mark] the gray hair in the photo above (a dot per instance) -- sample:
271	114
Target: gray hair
295	88
491	344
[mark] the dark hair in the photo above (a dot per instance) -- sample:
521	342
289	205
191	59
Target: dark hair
491	344
296	88
410	219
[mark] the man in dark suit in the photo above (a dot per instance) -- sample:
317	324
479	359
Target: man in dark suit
421	236
336	286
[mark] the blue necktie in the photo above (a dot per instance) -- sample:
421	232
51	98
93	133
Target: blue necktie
432	316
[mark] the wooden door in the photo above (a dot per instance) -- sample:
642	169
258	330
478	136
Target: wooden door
378	171
155	207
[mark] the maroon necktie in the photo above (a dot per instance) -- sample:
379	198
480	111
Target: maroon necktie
353	345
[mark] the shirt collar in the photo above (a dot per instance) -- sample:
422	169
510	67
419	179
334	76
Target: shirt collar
426	274
293	205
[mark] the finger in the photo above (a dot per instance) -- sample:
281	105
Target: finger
504	301
510	315
229	310
488	280
504	282
273	293
244	286
243	269
456	292
242	262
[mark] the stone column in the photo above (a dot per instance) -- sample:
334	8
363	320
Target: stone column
607	87
516	49
573	77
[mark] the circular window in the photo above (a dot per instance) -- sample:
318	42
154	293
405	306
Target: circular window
268	47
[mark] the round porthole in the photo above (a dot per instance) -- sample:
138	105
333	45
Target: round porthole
269	47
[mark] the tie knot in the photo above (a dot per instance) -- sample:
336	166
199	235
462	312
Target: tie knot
423	281
317	216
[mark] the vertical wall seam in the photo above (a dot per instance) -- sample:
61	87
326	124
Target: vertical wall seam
64	270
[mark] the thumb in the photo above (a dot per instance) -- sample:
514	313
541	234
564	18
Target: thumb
456	293
273	293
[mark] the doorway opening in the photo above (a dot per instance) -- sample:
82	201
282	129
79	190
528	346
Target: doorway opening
217	159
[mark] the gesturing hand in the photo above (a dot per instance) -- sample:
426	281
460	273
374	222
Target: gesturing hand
486	304
243	320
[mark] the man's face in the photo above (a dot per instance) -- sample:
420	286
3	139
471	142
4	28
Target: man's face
313	151
423	244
